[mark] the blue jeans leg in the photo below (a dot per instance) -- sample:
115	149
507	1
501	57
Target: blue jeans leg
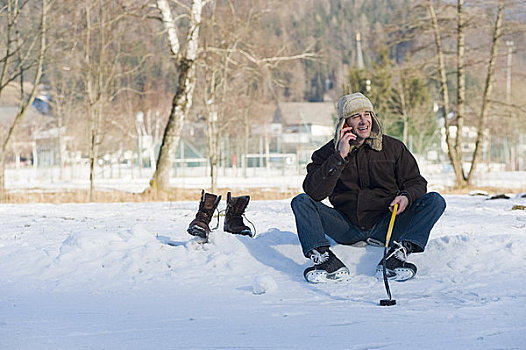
415	223
314	220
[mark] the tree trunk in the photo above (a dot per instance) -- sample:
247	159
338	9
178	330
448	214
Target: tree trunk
246	141
181	103
487	90
212	136
182	100
61	147
461	93
403	108
445	93
3	194
92	157
25	103
93	93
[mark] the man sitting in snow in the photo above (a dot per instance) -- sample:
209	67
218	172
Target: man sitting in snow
364	173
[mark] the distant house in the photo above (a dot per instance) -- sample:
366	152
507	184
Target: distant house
302	127
27	143
469	138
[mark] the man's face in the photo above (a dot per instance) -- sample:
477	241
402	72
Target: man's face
361	124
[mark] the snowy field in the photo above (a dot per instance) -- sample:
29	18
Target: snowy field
24	179
128	276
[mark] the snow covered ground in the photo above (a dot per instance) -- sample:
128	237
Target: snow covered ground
128	276
24	179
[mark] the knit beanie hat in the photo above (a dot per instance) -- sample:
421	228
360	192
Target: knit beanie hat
352	104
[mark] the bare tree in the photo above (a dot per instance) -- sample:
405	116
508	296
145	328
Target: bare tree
240	66
411	100
487	89
461	90
94	82
444	91
64	94
25	49
100	44
463	179
182	100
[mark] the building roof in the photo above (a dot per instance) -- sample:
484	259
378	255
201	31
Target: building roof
8	114
297	113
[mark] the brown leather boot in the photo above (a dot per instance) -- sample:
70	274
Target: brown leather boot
235	207
199	226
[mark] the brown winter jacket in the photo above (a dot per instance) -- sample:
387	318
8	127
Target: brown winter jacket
362	185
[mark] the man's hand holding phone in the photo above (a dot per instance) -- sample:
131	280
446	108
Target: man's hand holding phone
346	137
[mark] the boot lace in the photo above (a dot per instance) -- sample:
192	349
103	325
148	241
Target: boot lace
217	222
318	258
251	224
241	217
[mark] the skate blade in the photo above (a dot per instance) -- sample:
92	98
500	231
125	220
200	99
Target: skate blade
319	276
400	274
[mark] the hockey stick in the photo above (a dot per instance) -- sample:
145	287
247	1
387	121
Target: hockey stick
390	301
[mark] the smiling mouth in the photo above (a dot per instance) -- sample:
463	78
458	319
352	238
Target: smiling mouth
363	128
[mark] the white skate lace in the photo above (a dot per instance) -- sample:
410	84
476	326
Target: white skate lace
318	258
399	253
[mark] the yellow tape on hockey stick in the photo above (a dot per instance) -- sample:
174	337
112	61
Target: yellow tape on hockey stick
391	224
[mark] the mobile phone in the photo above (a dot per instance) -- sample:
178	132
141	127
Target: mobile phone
351	142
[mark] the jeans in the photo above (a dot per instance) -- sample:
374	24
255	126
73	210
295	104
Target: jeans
315	220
